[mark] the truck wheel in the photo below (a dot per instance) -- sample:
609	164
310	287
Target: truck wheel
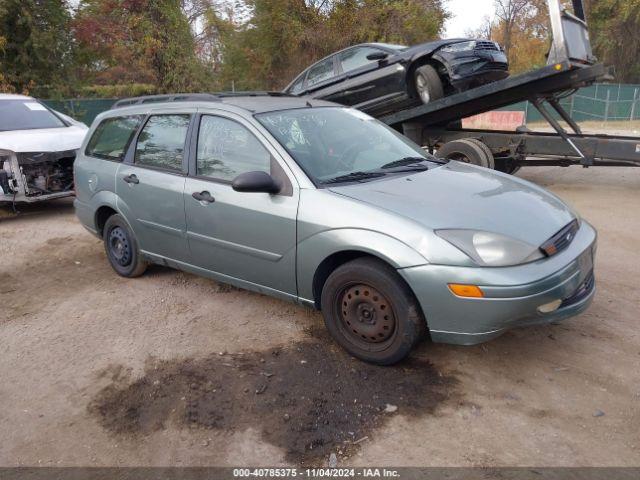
371	312
468	151
428	85
487	151
122	248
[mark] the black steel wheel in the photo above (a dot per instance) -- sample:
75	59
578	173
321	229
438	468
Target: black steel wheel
366	314
122	248
371	312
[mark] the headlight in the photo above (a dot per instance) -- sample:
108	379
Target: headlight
491	249
459	47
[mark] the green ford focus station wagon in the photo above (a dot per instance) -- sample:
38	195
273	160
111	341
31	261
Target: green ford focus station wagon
320	204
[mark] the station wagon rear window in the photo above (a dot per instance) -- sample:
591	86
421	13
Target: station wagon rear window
112	137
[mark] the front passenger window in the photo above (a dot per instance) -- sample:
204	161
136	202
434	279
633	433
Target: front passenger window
161	142
226	149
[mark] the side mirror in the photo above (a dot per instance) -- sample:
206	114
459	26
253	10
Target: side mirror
256	182
377	56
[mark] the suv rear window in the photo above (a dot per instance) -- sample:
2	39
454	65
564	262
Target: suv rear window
112	137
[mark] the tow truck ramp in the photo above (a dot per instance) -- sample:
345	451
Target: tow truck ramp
437	125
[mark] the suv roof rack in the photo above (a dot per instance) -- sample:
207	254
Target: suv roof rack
190	97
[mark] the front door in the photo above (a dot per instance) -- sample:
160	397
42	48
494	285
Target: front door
367	81
150	186
246	236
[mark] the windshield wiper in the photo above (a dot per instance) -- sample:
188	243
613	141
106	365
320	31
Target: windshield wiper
406	162
354	177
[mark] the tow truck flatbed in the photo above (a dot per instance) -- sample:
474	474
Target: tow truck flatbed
571	65
545	81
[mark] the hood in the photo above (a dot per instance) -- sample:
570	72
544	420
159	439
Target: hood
462	196
43	140
429	47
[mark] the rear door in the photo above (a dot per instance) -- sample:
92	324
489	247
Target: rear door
245	236
150	185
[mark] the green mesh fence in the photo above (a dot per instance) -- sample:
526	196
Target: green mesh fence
84	110
601	102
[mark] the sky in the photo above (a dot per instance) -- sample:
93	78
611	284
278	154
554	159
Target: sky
466	15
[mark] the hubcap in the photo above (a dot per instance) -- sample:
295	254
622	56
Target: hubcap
366	314
423	90
119	246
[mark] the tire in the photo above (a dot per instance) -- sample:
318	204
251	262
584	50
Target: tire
371	312
122	248
427	84
487	151
466	151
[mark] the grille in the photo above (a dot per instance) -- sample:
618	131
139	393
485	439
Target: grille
487	46
560	240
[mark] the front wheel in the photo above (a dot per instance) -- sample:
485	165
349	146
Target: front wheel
371	312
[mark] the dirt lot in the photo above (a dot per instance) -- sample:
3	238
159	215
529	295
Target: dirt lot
171	369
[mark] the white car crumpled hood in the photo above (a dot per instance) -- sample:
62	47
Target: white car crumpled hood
43	140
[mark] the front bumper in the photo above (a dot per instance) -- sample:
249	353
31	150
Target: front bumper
512	294
478	69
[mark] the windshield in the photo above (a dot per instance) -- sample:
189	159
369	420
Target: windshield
26	114
330	143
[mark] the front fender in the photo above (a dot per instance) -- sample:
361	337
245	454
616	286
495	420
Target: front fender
313	250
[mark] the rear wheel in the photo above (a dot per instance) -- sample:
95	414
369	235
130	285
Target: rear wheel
467	150
428	85
122	248
371	312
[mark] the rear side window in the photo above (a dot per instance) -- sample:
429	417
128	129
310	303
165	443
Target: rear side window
112	137
161	142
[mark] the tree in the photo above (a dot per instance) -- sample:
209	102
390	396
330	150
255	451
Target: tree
147	42
279	38
509	13
614	26
37	45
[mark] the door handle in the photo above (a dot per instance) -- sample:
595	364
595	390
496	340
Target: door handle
203	196
131	179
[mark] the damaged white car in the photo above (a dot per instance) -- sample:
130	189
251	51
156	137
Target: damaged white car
37	150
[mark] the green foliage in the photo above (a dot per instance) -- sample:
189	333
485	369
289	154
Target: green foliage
37	45
118	90
124	42
614	31
282	37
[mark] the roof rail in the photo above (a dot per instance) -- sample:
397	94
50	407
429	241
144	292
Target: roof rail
191	97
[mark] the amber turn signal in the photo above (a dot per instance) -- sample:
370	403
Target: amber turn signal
471	291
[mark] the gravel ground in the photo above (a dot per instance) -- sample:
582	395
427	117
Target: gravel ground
172	369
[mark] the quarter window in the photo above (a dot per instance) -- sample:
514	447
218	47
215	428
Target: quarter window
226	149
297	87
161	142
320	72
356	58
112	137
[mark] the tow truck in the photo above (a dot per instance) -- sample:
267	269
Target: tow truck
437	126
